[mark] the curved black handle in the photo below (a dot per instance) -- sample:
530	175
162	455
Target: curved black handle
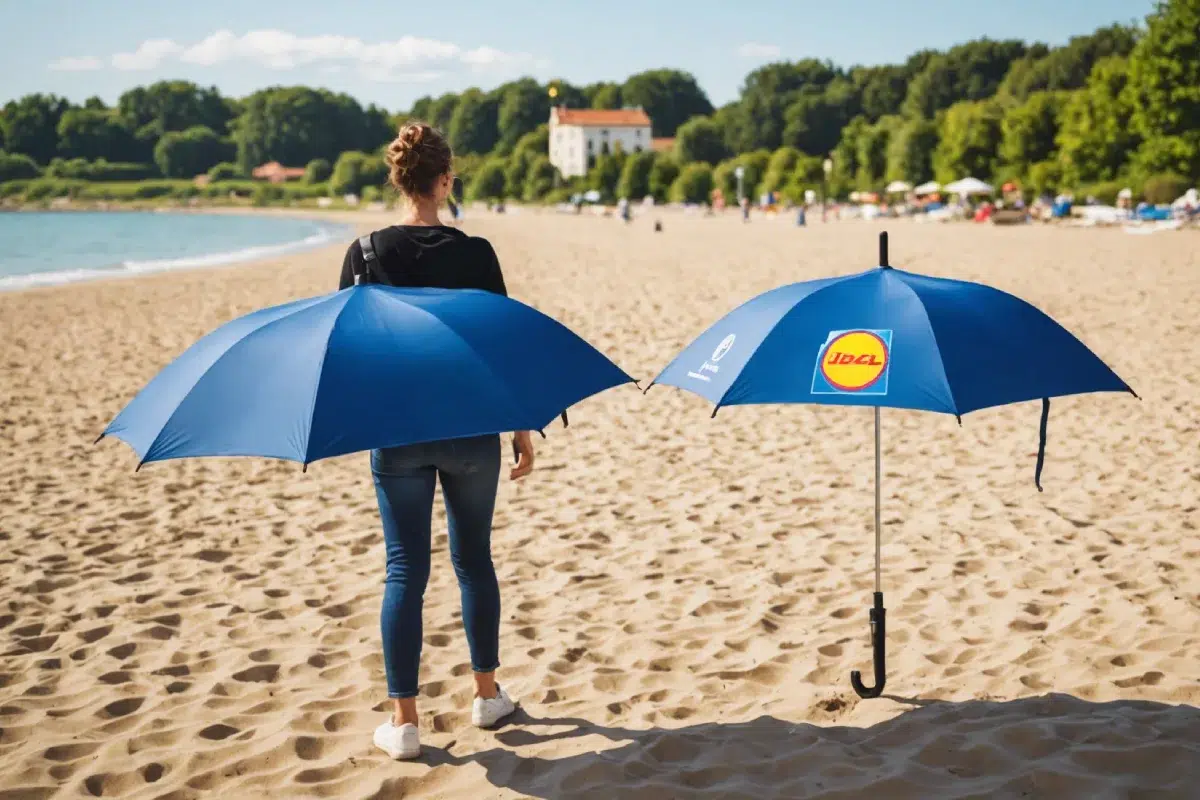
878	633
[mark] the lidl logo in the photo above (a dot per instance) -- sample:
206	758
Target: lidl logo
854	362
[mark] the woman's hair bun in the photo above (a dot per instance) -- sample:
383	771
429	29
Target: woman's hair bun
417	158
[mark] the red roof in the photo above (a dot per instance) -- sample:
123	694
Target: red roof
602	118
275	172
663	144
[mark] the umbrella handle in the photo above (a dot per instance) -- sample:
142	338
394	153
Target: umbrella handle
878	633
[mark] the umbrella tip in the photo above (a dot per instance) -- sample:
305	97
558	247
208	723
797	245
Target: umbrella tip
883	250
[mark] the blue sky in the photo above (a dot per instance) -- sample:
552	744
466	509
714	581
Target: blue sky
390	53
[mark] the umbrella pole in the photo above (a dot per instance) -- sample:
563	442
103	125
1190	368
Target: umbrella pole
878	614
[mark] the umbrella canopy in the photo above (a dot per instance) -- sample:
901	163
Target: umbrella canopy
928	188
969	186
896	187
890	338
370	366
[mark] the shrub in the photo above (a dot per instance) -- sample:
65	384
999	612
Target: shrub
317	171
100	170
225	171
694	184
17	166
1105	191
488	183
1164	187
266	193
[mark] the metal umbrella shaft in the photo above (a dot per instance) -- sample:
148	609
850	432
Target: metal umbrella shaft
878	614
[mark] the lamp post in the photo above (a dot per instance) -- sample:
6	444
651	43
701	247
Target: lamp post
826	169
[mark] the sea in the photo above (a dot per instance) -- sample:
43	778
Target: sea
49	248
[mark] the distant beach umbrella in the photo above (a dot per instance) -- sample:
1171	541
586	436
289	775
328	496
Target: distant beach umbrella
969	186
895	339
927	188
898	187
367	367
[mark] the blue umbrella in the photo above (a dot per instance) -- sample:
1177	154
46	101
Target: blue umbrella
889	338
369	366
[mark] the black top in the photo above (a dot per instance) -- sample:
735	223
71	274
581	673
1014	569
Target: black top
436	256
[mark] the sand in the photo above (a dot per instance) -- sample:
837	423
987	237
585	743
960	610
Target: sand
684	598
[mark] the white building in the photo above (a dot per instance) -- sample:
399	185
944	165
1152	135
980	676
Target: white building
577	135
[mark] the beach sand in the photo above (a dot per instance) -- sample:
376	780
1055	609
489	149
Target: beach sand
684	597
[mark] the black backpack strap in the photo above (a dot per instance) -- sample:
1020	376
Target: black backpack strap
368	251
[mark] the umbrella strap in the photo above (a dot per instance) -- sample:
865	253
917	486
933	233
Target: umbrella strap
1041	457
368	252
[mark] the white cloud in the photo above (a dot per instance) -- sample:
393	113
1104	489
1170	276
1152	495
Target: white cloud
407	59
76	64
759	50
149	55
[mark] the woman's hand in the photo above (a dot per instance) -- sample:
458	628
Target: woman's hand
523	444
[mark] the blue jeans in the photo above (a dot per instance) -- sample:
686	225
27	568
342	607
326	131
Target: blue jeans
404	482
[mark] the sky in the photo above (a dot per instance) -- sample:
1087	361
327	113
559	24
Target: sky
391	53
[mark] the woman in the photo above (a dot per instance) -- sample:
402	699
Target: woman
423	252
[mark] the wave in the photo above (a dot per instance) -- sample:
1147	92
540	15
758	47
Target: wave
323	235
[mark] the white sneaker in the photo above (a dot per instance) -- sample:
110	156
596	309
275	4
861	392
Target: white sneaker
487	713
398	741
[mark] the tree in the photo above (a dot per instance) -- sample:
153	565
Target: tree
517	167
970	138
845	157
670	97
699	139
295	124
607	172
1028	130
1164	85
754	166
1066	67
539	179
872	153
880	89
473	126
30	126
1096	135
184	154
92	134
663	175
603	95
174	106
488	183
910	151
536	141
635	177
317	171
441	111
970	71
17	167
524	105
694	184
813	122
780	167
355	171
757	119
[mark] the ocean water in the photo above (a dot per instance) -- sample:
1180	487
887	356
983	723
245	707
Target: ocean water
40	249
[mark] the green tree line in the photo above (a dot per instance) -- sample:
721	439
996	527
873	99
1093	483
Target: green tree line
1121	104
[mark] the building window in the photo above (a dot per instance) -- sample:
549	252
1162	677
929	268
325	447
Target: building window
637	134
604	132
637	148
590	144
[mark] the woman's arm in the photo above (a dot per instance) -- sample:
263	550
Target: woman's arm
347	279
523	446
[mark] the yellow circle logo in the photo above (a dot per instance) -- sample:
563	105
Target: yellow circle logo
854	361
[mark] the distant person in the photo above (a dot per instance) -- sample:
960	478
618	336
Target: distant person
745	204
623	209
421	251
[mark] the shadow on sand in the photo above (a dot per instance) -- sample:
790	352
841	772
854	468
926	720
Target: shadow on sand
1054	746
